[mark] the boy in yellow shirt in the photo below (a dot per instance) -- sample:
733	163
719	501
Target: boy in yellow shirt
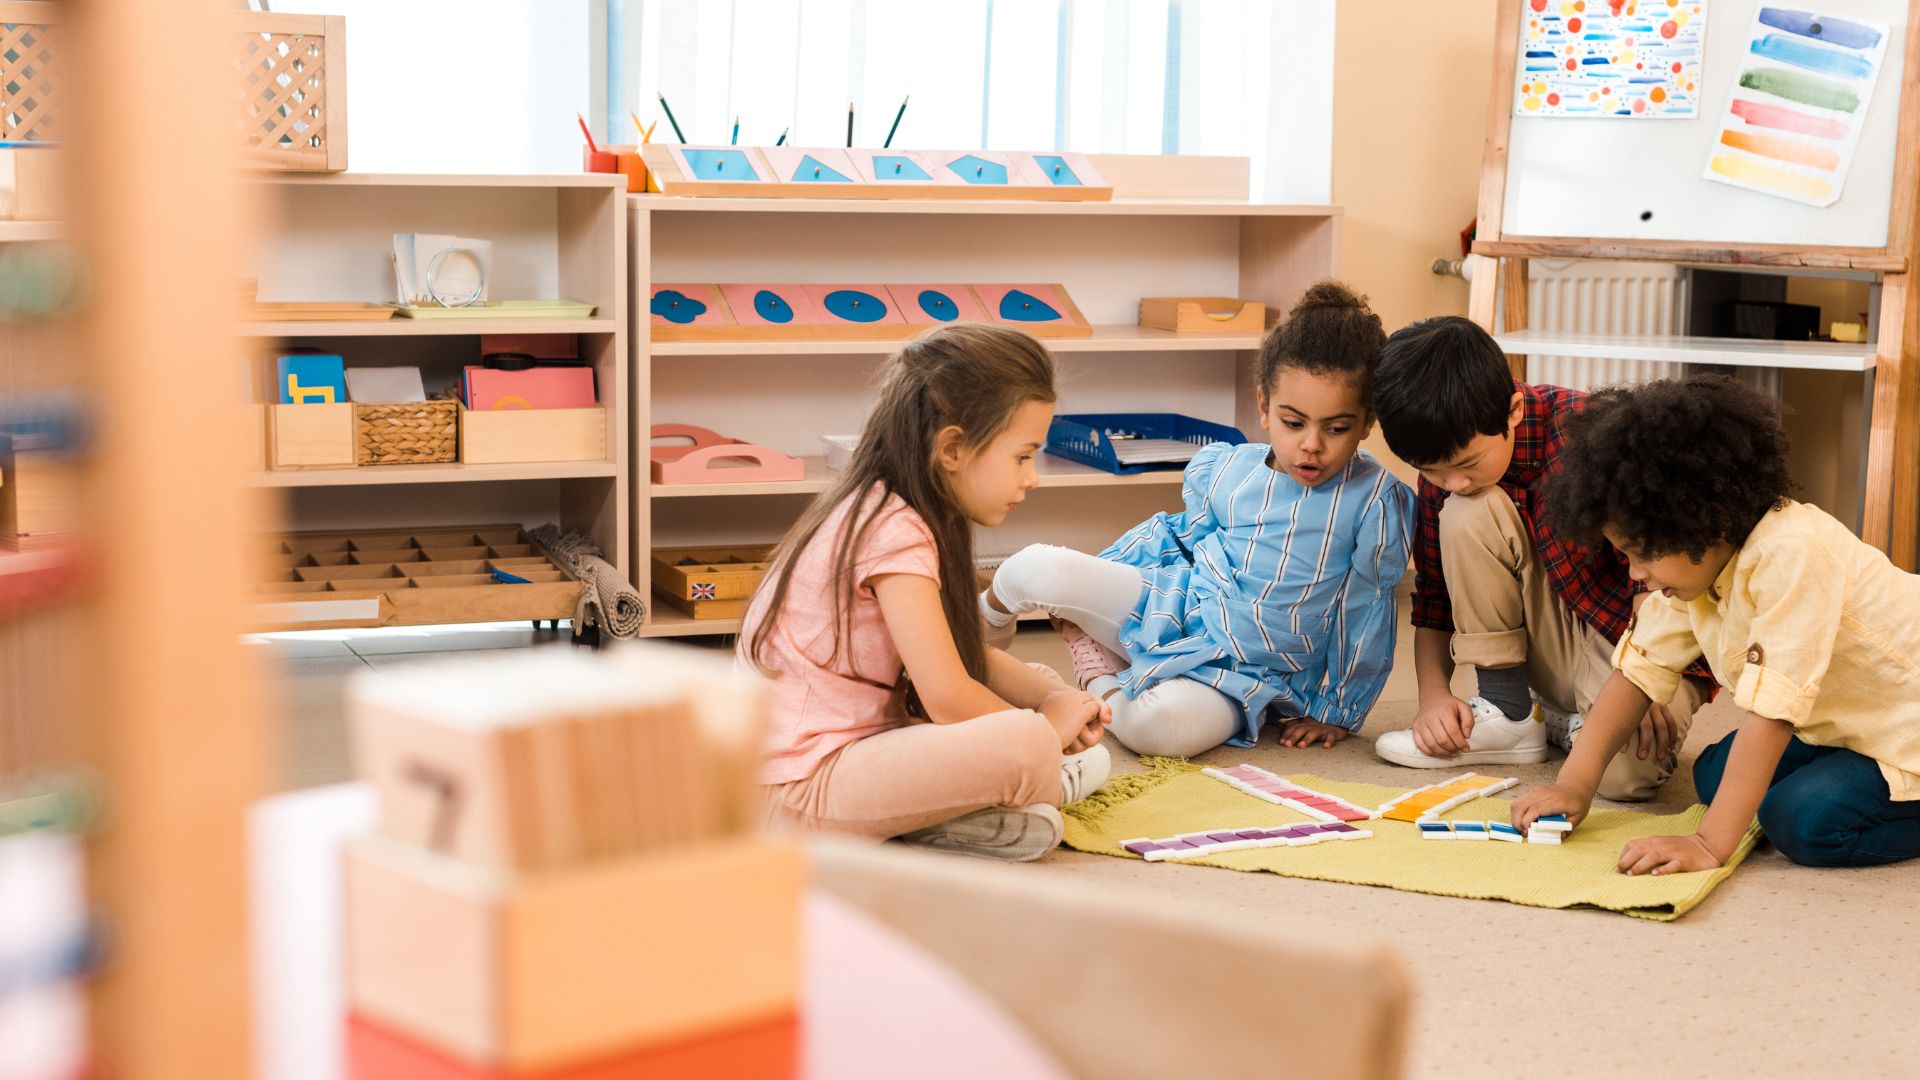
1816	634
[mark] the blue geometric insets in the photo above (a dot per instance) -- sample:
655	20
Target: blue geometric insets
978	170
768	305
810	171
1058	172
897	167
719	165
939	305
1017	306
676	306
852	305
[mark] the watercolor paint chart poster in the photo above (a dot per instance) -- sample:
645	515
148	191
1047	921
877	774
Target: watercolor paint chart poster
1611	58
1797	105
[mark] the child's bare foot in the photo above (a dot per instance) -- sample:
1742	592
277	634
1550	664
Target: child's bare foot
1090	658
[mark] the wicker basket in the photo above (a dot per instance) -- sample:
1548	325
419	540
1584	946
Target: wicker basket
412	433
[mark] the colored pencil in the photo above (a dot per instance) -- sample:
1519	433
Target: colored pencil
849	123
591	145
782	140
735	139
896	121
668	109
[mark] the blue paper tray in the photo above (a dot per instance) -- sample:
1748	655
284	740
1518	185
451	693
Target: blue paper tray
1083	437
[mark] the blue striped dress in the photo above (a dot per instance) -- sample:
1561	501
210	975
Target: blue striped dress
1278	595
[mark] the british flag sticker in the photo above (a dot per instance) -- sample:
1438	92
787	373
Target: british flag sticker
705	590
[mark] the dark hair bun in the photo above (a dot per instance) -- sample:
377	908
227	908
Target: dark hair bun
1329	295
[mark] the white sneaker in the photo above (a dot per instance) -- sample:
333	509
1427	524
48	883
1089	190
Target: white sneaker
996	635
1496	740
1561	726
1084	773
1017	834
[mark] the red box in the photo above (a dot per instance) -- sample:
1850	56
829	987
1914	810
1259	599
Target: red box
771	1050
489	390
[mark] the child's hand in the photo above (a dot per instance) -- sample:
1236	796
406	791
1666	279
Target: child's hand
1442	726
1078	718
1304	731
1552	799
1667	855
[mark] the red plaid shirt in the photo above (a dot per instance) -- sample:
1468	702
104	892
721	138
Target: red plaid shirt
1592	581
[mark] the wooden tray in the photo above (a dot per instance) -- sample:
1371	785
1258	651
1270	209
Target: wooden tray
503	309
321	311
419	577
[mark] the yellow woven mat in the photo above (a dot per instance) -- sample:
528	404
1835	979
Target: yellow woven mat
1173	797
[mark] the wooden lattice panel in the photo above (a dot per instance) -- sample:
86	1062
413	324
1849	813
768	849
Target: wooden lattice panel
29	54
290	91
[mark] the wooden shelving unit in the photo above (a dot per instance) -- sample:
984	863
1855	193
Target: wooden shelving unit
1187	230
553	236
1734	352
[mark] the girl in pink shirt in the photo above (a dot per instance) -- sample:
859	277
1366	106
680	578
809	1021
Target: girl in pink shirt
867	623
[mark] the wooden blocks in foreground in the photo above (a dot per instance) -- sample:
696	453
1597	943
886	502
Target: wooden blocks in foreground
568	877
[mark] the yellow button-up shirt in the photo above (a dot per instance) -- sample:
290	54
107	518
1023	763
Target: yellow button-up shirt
1807	625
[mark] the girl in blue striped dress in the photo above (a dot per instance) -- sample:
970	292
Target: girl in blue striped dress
1271	595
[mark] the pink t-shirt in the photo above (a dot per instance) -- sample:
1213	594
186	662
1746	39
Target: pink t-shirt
819	702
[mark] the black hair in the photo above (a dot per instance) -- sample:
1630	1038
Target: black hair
1440	383
1671	467
1331	331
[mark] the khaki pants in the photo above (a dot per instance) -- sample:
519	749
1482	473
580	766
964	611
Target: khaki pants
1505	613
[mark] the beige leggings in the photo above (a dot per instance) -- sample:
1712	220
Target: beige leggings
922	774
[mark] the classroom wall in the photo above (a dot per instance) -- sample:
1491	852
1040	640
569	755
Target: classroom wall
1410	86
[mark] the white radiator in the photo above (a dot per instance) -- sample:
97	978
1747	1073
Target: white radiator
1603	298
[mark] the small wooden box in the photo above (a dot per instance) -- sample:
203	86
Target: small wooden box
1190	313
511	436
560	968
710	582
313	436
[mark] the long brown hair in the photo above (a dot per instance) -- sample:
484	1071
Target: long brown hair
968	376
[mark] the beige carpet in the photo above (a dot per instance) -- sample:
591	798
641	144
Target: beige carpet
1782	971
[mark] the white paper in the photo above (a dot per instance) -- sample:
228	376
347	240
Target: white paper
384	385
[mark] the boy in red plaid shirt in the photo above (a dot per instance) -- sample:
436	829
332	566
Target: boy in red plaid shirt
1494	587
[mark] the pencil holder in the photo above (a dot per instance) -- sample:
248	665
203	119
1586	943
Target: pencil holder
410	433
597	160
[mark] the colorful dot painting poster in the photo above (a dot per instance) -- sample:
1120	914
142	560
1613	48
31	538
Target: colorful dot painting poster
1638	59
1796	109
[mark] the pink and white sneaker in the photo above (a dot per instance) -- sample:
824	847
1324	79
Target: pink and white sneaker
1090	658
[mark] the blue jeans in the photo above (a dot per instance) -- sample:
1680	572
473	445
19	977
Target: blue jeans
1825	806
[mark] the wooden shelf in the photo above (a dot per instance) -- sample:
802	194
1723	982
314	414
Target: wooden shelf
427	327
1115	208
1105	339
25	231
1054	472
1738	352
519	180
448	473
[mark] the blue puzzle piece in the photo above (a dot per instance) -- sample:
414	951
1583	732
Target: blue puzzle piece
719	165
1018	306
978	170
676	306
768	305
897	167
939	305
505	578
810	171
853	305
1058	172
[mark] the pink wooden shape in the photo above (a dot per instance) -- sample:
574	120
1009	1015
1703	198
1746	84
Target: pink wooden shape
785	161
706	294
1016	177
740	301
906	299
863	165
990	300
819	293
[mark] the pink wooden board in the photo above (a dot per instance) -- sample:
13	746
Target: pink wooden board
715	315
955	168
990	300
906	299
870	173
1038	174
819	294
788	164
741	302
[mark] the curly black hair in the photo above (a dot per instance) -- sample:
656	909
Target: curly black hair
1673	467
1330	331
1440	383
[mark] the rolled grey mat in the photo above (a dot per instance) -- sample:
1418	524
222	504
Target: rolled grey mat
606	598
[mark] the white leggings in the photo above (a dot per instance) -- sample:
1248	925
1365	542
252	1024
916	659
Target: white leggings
1175	718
